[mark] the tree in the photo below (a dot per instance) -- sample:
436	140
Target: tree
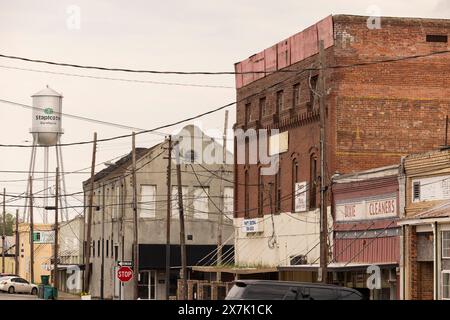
10	222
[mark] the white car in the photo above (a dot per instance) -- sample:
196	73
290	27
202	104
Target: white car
17	285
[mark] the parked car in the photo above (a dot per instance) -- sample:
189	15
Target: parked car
286	290
17	285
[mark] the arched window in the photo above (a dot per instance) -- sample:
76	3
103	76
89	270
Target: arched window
294	180
246	195
260	194
278	191
313	181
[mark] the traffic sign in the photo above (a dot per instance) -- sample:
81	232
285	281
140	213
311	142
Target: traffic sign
125	263
124	274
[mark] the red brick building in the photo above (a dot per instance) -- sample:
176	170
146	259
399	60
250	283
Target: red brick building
376	112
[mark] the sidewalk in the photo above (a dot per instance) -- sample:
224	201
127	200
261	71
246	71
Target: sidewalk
68	296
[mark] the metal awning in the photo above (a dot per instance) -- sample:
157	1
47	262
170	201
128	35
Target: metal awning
338	266
234	270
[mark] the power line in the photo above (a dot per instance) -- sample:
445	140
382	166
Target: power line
154	130
121	79
285	70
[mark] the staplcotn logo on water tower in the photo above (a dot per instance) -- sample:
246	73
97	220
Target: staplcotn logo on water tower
48	115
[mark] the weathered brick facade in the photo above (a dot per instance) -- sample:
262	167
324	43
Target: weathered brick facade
375	112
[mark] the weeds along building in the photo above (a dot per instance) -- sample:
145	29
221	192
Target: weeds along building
376	112
207	189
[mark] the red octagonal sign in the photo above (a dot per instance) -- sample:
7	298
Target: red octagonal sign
124	274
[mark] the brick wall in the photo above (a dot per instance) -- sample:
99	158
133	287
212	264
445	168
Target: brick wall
375	113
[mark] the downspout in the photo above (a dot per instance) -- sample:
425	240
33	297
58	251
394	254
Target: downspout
435	261
402	214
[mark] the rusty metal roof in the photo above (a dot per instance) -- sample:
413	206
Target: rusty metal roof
441	210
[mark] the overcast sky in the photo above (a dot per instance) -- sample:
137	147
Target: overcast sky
171	35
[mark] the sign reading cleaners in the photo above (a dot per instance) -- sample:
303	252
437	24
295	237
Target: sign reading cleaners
383	207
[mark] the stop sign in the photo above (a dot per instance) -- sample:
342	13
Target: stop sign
124	274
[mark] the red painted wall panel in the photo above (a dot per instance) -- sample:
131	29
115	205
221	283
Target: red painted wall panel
270	59
258	65
238	68
297	53
325	31
310	44
293	49
284	53
247	66
367	250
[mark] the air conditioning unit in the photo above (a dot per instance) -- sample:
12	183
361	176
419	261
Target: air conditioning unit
299	260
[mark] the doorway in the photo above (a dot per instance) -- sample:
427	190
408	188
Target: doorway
147	285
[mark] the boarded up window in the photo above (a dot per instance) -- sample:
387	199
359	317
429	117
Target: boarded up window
201	201
228	194
148	201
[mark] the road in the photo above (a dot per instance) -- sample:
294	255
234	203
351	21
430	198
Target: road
7	296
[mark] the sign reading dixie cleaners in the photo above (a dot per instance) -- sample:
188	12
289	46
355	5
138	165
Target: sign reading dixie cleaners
367	209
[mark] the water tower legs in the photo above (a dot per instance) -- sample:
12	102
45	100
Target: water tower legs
45	213
26	209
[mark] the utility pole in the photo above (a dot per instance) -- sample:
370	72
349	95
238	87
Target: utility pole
55	250
168	217
4	231
323	208
87	251
182	234
222	205
135	220
102	270
446	130
16	254
31	232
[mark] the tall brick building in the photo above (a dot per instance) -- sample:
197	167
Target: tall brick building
376	112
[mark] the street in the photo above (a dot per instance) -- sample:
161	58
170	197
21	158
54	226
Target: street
7	296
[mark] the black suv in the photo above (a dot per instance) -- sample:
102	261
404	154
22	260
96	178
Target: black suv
286	290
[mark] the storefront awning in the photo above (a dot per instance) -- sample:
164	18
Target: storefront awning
233	270
338	266
437	213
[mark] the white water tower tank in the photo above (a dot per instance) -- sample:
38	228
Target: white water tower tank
46	123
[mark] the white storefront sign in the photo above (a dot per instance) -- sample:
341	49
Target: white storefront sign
251	225
434	188
300	196
367	209
278	143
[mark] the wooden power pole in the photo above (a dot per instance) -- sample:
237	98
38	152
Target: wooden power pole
87	250
222	205
323	206
102	270
31	232
168	216
55	249
4	231
17	252
135	221
182	233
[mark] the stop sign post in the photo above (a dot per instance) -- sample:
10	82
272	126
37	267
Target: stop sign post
124	274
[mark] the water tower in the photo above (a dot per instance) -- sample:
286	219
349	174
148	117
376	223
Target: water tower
46	131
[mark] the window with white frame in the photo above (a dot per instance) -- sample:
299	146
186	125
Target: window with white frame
446	244
201	201
116	202
446	284
147	203
228	193
184	192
